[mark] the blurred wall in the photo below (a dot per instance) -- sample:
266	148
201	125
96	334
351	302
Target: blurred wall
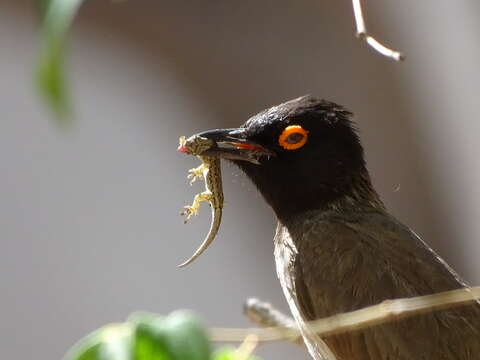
89	218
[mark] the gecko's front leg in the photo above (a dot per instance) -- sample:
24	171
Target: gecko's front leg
197	173
192	210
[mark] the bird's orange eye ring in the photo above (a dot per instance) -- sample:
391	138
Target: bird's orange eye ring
293	137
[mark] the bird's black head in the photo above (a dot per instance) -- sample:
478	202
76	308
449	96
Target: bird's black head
302	155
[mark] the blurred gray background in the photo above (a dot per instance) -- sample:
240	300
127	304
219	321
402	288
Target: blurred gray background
90	226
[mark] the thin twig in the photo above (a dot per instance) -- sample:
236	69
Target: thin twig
266	315
363	34
386	311
246	349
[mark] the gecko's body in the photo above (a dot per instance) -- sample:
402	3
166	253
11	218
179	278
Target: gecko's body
210	171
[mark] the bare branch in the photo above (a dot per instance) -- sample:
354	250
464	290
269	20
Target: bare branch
265	315
362	34
386	311
247	347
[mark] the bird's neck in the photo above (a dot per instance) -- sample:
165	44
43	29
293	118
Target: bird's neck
358	194
298	196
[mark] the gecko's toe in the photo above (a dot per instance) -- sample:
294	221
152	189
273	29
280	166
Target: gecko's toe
189	211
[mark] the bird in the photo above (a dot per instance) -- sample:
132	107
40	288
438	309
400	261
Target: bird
337	248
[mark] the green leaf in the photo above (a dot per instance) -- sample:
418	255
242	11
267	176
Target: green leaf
179	336
112	342
89	353
151	342
86	349
50	72
225	353
146	336
117	342
186	337
229	353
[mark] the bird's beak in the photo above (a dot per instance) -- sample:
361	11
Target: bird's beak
233	144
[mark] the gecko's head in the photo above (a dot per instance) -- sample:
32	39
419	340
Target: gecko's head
300	154
194	145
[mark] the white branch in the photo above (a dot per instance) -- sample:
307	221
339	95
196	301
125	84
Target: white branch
389	310
362	34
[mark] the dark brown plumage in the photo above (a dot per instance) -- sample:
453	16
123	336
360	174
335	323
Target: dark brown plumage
336	247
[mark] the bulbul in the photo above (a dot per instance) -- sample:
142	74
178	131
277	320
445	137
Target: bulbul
337	249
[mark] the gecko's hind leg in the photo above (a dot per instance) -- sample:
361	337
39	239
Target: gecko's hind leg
191	210
196	173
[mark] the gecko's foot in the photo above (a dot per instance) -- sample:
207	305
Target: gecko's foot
189	211
193	209
196	173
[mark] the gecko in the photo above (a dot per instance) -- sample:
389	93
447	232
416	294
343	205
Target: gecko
210	171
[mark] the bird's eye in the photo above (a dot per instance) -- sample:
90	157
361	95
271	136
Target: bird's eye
293	137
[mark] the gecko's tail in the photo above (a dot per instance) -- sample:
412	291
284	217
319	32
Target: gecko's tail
212	233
